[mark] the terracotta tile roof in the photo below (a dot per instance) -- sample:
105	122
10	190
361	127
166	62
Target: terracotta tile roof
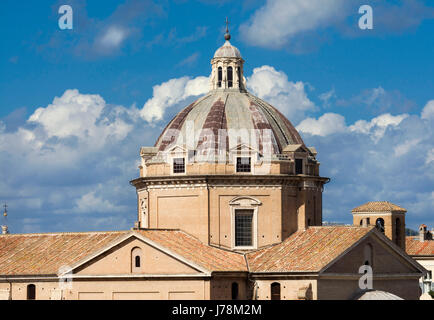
45	254
414	247
29	254
192	249
378	206
306	251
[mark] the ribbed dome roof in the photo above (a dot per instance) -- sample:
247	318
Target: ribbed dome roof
229	110
227	51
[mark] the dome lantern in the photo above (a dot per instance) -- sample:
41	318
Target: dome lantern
227	67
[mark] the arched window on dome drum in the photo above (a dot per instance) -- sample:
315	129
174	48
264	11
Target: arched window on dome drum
230	77
275	291
380	224
219	76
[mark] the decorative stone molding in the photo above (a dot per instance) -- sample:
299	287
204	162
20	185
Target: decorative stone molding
245	201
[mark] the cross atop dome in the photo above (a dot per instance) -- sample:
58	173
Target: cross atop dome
227	35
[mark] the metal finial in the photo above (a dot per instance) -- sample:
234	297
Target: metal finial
5	213
227	35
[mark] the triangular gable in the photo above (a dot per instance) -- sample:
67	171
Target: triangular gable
176	149
243	147
140	237
383	240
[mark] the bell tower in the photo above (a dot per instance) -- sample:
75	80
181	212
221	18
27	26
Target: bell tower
227	67
387	217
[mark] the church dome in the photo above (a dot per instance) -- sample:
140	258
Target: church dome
227	51
229	117
231	111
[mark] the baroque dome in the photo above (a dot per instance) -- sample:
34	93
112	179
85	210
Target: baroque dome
229	110
229	117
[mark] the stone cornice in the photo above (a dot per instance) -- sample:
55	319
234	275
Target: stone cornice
279	181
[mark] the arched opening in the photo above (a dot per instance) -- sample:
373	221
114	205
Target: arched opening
380	224
398	231
219	76
234	290
31	292
136	260
361	222
230	77
275	291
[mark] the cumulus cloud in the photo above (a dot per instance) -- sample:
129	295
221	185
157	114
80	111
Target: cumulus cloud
265	82
428	111
282	23
274	87
385	158
378	125
328	123
278	21
75	155
77	115
170	93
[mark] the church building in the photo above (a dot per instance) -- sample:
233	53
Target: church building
229	207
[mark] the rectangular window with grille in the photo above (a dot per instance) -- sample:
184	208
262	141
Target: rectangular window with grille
178	165
243	228
243	164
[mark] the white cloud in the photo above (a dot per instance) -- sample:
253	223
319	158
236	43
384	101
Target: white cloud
430	157
326	97
70	148
283	23
405	147
328	123
273	86
378	125
385	158
278	21
89	202
78	115
112	38
170	93
428	111
265	82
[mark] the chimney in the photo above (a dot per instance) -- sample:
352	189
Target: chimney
5	230
422	232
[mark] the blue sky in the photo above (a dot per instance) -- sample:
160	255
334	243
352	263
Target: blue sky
76	105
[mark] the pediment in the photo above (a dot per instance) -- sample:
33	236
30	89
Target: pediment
244	201
242	147
177	149
115	259
387	258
